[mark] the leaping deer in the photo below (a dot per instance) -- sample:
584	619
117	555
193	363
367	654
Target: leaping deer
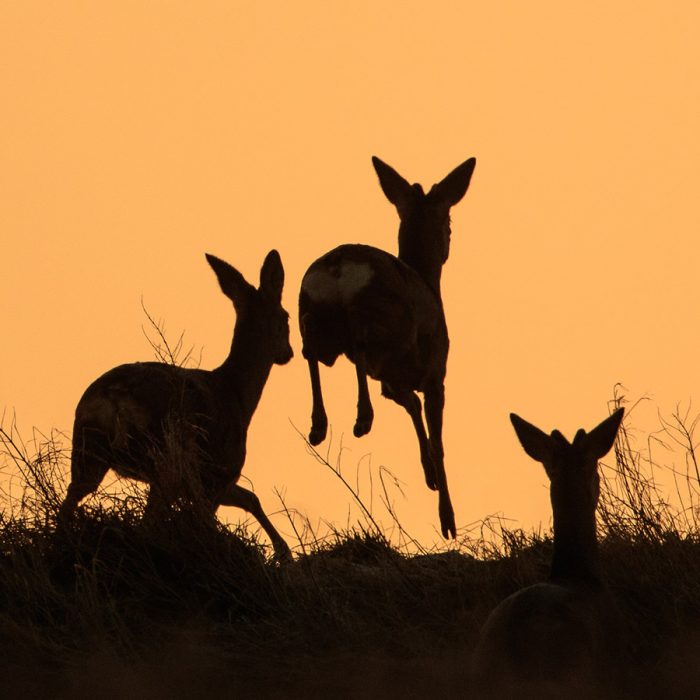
126	417
558	636
385	314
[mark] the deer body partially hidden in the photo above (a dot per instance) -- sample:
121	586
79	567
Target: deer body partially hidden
385	314
558	636
183	431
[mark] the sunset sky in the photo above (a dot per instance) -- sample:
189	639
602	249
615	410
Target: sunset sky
136	136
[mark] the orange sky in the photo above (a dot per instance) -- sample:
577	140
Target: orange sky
136	136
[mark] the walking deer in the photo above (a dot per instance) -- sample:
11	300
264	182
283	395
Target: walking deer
127	417
560	634
385	314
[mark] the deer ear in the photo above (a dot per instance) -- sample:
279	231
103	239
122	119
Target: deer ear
537	444
397	190
272	276
601	439
231	281
454	186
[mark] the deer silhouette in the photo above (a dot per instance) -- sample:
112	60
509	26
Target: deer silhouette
128	418
385	314
560	634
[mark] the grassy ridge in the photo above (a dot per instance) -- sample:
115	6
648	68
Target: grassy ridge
190	608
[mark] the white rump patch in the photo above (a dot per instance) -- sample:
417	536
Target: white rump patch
337	284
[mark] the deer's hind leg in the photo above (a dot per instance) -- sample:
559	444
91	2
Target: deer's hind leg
88	468
410	401
235	495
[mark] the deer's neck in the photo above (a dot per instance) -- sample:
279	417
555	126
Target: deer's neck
422	258
430	271
575	555
245	371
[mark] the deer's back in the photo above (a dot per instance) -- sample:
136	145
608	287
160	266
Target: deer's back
135	412
358	296
547	636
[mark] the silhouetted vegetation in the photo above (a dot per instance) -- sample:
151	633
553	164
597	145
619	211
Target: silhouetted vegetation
110	607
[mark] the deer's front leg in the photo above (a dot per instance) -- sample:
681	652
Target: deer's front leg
434	405
319	420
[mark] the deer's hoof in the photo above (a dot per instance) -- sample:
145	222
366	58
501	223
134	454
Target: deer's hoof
447	520
283	555
449	530
317	435
362	427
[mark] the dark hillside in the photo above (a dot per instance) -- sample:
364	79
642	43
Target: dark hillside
111	608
